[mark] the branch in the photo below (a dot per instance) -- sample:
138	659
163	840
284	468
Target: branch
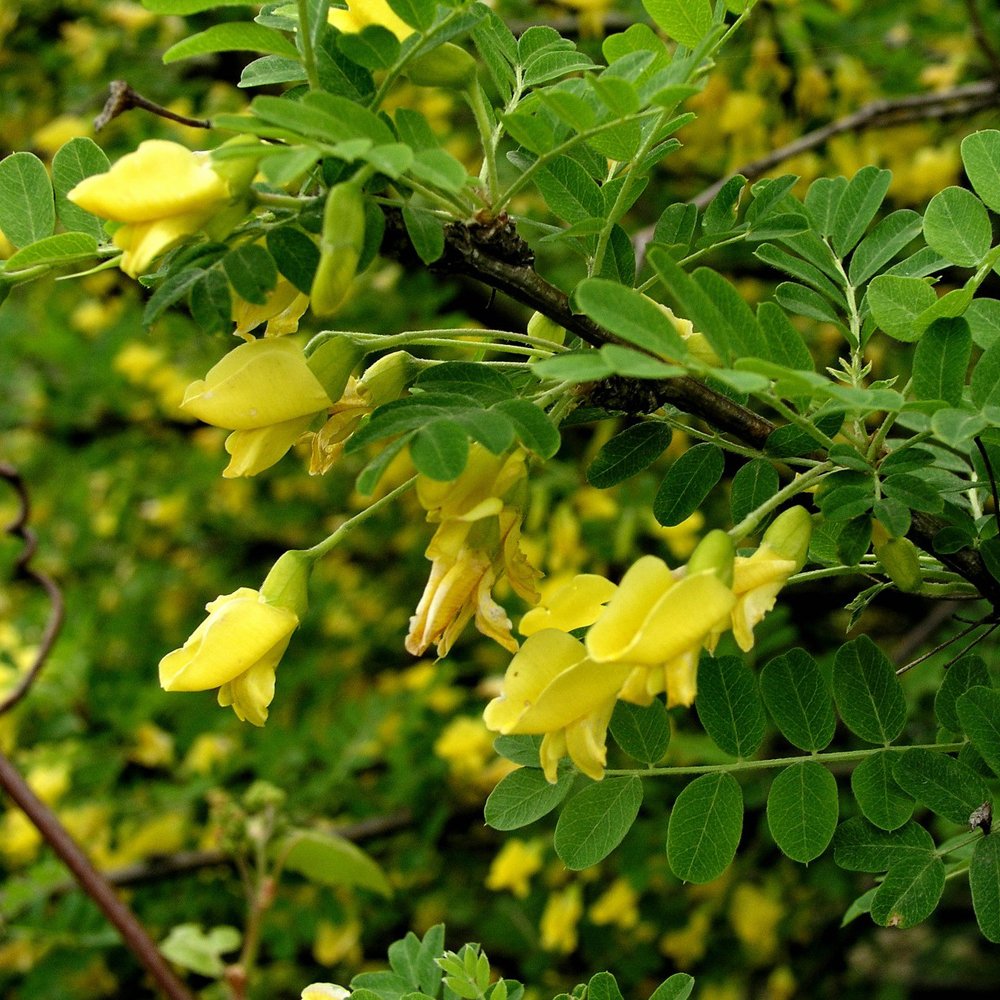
951	103
982	40
495	254
123	98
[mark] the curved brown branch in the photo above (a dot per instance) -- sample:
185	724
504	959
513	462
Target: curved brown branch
19	529
883	113
122	98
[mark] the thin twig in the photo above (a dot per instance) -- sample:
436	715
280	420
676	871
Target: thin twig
944	645
882	113
993	479
123	98
92	882
19	529
924	629
979	33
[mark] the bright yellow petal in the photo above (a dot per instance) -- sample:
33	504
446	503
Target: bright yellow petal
586	741
750	609
256	450
577	604
143	242
361	13
252	691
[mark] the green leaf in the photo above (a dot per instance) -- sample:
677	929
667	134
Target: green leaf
630	315
729	706
77	159
914	492
981	157
957	226
785	345
593	823
983	317
754	483
720	213
860	906
860	847
190	6
984	880
268	70
27	211
327	859
642	731
534	428
628	453
941	361
232	37
417	14
857	207
941	783
686	21
211	303
251	271
440	450
575	366
193	948
822	200
173	289
675	227
439	169
521	749
705	827
677	987
886	240
985	384
603	986
798	699
425	232
374	47
569	191
738	315
63	248
804	301
896	302
979	713
958	427
635	364
524	796
687	482
968	672
468	378
910	891
295	255
802	810
867	692
877	793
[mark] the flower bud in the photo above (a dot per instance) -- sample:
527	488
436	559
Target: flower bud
899	558
341	245
542	326
446	66
715	552
789	534
332	358
387	378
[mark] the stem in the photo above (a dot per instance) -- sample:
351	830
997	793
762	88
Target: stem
477	102
802	422
839	757
323	547
92	882
306	40
801	482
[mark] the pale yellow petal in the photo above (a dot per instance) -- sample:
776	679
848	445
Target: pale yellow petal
577	604
256	450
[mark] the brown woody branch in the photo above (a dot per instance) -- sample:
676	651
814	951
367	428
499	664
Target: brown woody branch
495	254
122	97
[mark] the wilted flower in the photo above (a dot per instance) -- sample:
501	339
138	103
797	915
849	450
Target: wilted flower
161	193
553	688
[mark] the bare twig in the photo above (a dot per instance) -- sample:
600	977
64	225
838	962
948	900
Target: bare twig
92	882
882	113
979	33
123	98
19	529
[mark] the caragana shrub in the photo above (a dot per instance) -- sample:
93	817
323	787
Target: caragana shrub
800	469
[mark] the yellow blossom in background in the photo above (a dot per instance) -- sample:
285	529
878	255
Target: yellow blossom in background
618	905
338	943
754	915
361	13
553	688
206	752
477	542
162	193
682	539
236	649
466	745
161	833
687	945
19	838
781	984
590	15
152	746
59	131
559	920
514	866
812	90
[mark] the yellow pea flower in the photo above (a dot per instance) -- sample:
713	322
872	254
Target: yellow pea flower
266	394
325	991
282	311
514	866
618	905
559	919
362	13
477	541
161	193
757	579
574	605
659	624
553	688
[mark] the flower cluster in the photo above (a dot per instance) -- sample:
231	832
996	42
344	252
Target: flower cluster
477	541
645	638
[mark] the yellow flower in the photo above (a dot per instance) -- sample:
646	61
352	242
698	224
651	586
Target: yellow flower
477	542
325	991
551	687
162	193
362	13
758	578
574	605
659	624
755	914
688	944
266	394
338	943
618	905
513	867
561	915
236	649
282	311
466	745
